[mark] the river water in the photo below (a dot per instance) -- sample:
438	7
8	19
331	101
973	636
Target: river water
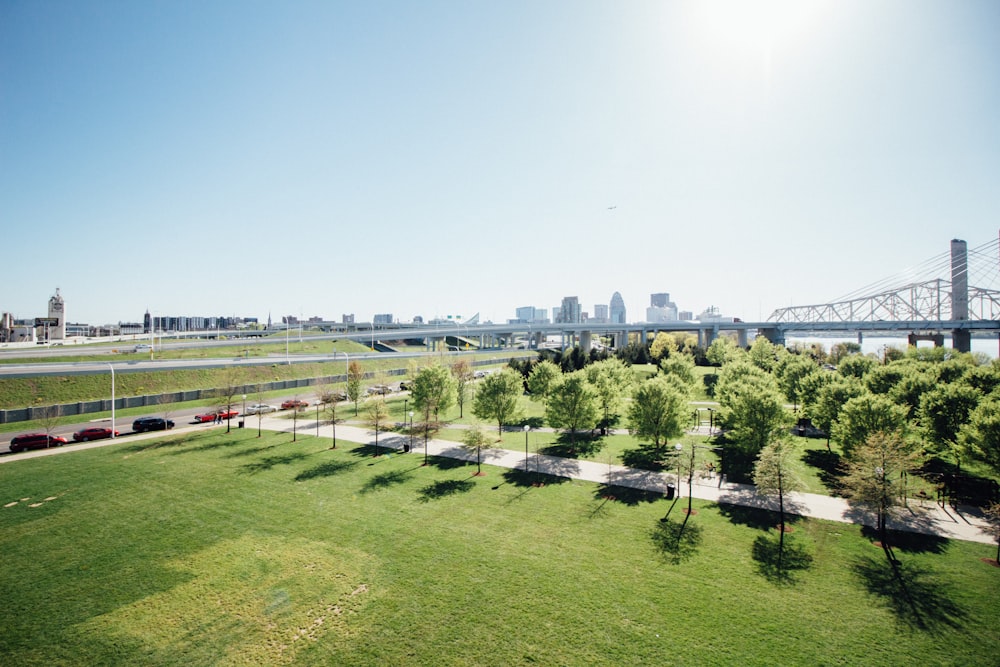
875	344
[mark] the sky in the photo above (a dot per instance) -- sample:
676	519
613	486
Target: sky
451	158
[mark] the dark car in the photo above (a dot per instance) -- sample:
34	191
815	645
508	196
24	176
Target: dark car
35	441
294	404
94	433
151	424
804	428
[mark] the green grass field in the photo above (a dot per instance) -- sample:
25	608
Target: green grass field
216	549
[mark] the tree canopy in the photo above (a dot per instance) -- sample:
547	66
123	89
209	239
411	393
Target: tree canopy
496	397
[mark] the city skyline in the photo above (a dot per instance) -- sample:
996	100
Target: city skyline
317	158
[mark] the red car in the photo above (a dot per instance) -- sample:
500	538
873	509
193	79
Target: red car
96	433
212	416
294	403
35	441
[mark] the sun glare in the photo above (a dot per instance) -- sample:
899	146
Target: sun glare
737	31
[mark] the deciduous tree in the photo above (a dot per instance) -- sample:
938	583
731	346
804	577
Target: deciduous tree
355	383
475	439
462	372
377	414
572	404
773	476
496	397
657	412
865	415
541	378
613	381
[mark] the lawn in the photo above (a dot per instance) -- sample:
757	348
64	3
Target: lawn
214	549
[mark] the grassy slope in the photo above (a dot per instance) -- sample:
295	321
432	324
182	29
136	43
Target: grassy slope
214	549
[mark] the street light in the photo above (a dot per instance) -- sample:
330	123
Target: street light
244	413
677	448
526	429
112	400
411	432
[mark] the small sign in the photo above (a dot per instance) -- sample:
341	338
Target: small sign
42	321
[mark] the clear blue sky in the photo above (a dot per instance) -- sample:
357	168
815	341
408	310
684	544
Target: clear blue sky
433	158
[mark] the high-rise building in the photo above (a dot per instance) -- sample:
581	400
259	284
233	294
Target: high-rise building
601	313
617	309
382	318
569	312
526	314
659	300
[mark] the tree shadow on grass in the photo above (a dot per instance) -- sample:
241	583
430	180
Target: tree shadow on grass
645	457
916	597
779	564
580	445
328	469
386	480
676	541
518	477
269	462
250	452
909	542
830	467
755	517
448	487
626	494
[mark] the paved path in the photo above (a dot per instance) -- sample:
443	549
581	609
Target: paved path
919	517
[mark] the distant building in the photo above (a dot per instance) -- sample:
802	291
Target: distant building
382	318
418	319
53	327
556	314
659	300
617	309
347	319
601	315
569	311
685	316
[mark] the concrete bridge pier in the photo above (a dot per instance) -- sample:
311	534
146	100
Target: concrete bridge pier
741	338
586	341
775	335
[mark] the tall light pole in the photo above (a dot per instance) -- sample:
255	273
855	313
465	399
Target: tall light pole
677	448
243	415
112	400
411	431
526	429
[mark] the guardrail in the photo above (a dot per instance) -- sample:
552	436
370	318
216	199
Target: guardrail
158	400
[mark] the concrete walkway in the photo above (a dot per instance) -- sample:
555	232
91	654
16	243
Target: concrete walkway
925	517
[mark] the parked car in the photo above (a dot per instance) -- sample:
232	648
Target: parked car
379	390
260	409
35	441
218	414
294	404
94	433
151	424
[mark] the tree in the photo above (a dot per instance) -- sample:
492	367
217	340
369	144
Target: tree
657	411
865	415
754	411
475	438
762	353
612	380
736	374
873	476
225	395
840	350
792	372
944	410
355	383
462	372
856	365
541	378
722	350
830	399
377	416
981	435
433	390
663	346
773	476
572	404
496	397
329	398
680	366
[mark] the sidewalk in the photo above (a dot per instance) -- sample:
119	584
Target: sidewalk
924	517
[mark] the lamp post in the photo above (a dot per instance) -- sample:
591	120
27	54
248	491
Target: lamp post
318	403
112	400
244	413
526	429
411	431
880	476
677	448
711	420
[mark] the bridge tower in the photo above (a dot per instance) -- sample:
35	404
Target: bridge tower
961	339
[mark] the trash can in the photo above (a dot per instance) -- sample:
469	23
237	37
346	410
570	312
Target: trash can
240	424
406	448
670	491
